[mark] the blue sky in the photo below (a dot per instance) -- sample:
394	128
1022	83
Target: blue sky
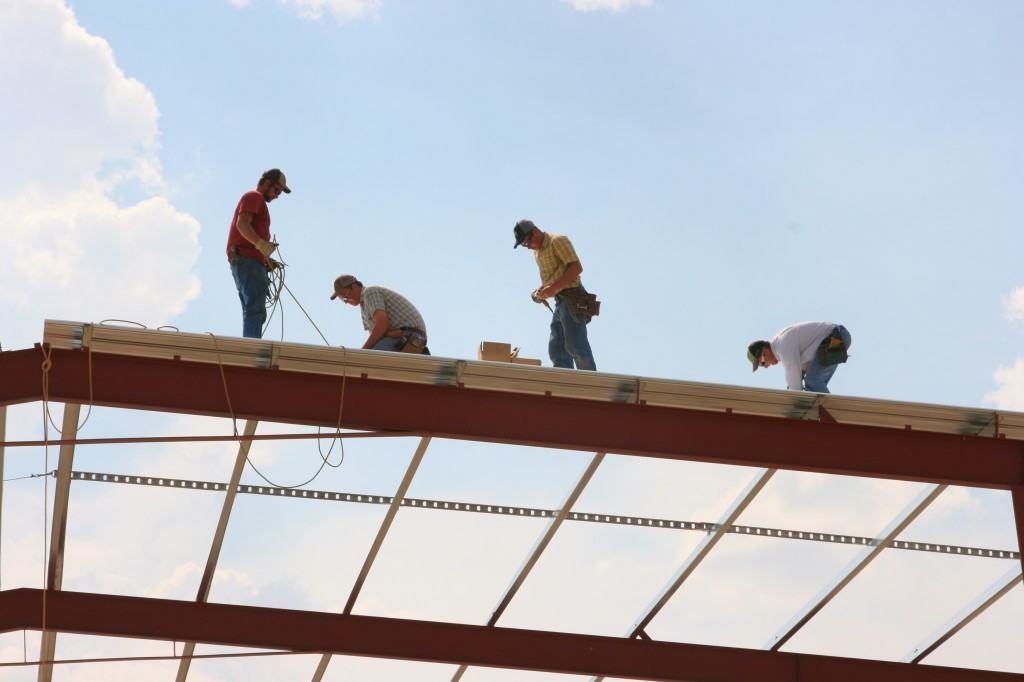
724	169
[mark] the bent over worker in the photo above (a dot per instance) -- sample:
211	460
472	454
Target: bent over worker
393	322
560	270
810	352
249	248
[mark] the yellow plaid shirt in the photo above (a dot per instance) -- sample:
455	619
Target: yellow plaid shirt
553	257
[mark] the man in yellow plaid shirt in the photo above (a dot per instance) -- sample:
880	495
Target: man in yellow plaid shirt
560	270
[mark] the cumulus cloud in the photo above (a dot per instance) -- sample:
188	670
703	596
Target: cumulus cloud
607	5
90	231
341	10
1010	392
1013	304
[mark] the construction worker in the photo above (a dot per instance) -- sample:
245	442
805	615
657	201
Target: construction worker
393	322
249	248
560	270
810	352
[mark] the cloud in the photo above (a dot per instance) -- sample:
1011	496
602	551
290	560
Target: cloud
90	231
342	10
607	5
1010	394
1013	304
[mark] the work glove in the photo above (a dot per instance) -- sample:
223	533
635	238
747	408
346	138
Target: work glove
273	264
265	247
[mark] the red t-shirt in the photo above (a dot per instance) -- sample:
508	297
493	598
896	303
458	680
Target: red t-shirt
251	202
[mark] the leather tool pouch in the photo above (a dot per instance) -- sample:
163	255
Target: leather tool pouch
411	343
832	350
582	305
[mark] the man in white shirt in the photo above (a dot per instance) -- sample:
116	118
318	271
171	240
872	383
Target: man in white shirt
809	352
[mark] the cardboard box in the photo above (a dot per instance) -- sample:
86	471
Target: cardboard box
492	350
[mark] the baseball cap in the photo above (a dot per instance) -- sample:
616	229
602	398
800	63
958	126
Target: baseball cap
277	177
522	229
342	282
754	351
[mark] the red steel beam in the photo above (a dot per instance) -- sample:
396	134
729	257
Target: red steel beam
1017	496
482	415
452	643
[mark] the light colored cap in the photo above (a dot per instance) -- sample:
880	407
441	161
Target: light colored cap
342	282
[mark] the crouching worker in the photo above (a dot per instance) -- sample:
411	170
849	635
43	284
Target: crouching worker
393	322
810	352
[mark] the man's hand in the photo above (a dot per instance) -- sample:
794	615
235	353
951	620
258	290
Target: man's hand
546	292
273	264
265	247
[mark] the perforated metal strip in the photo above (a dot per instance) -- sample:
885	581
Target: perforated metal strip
534	512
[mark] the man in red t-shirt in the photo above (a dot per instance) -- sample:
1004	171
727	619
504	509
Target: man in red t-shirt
249	248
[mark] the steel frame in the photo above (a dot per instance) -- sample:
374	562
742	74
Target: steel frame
477	414
451	643
58	533
858	564
480	414
378	542
218	539
990	596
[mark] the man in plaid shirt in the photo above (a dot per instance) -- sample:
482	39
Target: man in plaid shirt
393	322
560	270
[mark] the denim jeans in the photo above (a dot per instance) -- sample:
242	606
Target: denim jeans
568	343
817	376
252	281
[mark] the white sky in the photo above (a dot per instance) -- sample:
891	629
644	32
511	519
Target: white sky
723	169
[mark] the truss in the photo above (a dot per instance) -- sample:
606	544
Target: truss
437	397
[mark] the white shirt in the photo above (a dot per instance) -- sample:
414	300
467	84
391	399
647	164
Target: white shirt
795	347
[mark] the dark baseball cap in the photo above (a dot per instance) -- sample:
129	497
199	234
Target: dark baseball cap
522	230
277	177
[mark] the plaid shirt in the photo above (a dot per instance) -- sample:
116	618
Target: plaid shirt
552	258
400	312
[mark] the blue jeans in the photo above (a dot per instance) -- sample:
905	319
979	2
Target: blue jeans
817	377
252	281
568	342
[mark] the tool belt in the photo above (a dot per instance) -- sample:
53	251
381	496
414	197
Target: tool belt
832	350
581	304
411	339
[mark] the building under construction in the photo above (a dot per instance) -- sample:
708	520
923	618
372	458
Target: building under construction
361	396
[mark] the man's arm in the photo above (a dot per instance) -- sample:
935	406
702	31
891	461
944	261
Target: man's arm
572	271
245	228
380	328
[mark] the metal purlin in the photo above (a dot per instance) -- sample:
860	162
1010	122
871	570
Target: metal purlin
218	540
539	546
987	598
378	541
58	535
859	563
700	552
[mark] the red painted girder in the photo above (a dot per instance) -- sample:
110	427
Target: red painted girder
570	423
266	628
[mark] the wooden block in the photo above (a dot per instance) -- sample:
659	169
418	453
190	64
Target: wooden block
526	361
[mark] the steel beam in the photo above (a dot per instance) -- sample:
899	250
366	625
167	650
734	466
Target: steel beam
538	548
990	596
218	539
481	415
3	436
449	643
58	533
378	541
1017	495
859	563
